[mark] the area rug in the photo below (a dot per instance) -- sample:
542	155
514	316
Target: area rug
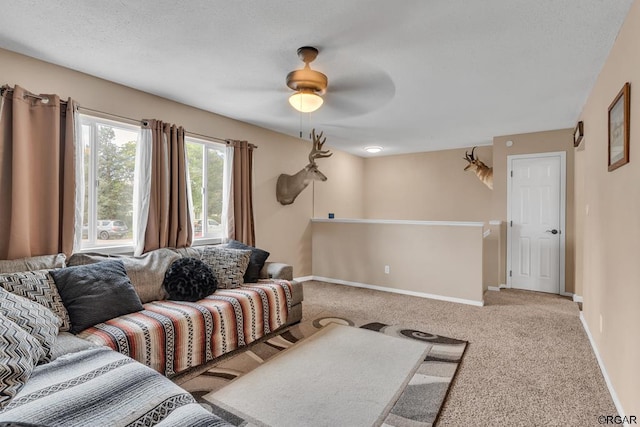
417	402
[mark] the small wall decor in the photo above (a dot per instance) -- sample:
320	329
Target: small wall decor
619	116
578	133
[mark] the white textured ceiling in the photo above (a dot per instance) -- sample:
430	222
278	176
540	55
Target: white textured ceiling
411	75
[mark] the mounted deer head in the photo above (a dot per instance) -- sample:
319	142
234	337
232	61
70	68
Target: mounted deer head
482	171
289	186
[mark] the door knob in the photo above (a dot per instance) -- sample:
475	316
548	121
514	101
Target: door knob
554	231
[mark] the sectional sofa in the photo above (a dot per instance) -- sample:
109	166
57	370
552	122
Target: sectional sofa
114	372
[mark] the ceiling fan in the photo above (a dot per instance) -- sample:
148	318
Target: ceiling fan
309	84
357	87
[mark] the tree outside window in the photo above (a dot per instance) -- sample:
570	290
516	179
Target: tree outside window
109	164
206	168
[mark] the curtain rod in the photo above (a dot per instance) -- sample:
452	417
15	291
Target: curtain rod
213	138
108	114
8	89
44	98
224	141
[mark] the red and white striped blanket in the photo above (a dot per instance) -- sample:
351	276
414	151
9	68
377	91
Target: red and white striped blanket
172	336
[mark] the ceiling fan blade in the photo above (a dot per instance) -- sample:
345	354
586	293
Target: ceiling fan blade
357	94
338	106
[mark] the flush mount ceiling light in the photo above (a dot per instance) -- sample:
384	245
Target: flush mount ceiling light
308	84
373	149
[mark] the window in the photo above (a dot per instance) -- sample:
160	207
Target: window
206	171
109	149
109	163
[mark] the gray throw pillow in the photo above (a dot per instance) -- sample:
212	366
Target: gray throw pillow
256	262
19	353
38	286
146	272
41	262
37	320
95	293
229	265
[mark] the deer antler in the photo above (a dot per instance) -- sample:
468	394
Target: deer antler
470	158
316	151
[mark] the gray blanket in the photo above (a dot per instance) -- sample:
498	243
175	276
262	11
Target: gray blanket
100	387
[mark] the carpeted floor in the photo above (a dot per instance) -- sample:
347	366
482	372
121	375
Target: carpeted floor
528	362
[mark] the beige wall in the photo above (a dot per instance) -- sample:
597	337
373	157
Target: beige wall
437	260
341	194
433	186
610	261
579	217
492	268
536	142
426	186
283	230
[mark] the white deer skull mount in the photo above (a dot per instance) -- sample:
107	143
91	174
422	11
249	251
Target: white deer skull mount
289	186
482	171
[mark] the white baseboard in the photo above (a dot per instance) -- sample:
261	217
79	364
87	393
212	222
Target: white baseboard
503	286
493	288
612	392
577	298
303	278
399	291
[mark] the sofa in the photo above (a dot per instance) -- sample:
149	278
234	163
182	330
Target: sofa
116	372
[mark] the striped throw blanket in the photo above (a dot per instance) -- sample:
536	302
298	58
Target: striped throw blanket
99	387
172	336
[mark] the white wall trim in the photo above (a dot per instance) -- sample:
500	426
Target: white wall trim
607	380
495	222
399	291
121	250
303	278
400	222
577	298
503	286
493	288
566	294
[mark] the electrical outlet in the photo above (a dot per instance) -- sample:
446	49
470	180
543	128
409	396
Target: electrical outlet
386	269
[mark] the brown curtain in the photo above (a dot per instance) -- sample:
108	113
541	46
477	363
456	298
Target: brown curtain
242	193
168	223
37	174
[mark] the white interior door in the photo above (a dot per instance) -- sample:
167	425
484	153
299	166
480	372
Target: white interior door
536	200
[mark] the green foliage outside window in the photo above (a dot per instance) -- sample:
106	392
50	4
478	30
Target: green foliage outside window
211	190
116	164
109	169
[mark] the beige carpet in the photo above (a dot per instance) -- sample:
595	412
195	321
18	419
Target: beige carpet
528	362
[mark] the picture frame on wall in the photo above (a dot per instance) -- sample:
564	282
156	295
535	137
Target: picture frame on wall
578	133
619	126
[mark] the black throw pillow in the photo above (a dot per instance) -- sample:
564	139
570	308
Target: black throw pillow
95	293
189	279
256	262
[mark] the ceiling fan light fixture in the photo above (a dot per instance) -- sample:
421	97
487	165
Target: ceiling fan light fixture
305	101
373	149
